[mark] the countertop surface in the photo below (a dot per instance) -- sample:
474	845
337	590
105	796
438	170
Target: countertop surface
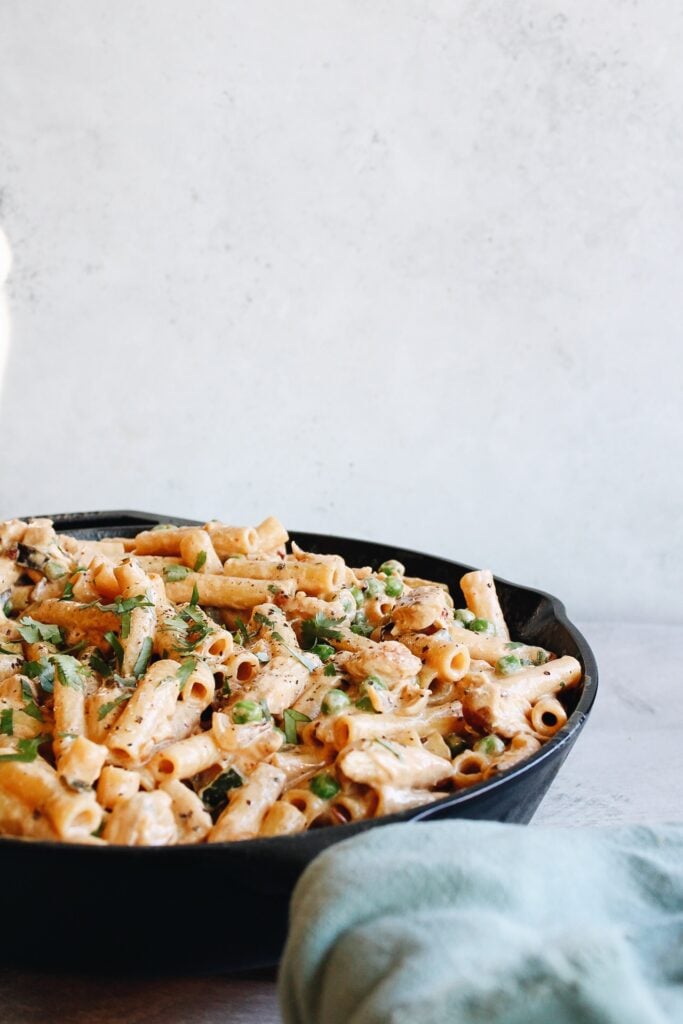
627	767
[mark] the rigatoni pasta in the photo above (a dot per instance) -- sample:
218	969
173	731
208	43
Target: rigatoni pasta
203	684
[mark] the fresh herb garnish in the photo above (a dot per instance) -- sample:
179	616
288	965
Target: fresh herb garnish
33	632
243	631
27	750
290	719
98	663
200	561
295	654
215	796
142	660
123	608
30	707
43	672
15	653
264	620
54	571
69	671
273	589
185	671
105	709
7	722
116	647
174	573
68	591
329	669
194	600
320	627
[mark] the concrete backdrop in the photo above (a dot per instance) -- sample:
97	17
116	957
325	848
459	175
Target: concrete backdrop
405	270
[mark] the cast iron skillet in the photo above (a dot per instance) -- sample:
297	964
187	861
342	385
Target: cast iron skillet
224	906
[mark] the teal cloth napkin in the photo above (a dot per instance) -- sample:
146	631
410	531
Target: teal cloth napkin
485	923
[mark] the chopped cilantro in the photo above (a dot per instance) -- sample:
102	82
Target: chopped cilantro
273	589
329	669
264	620
243	631
7	722
173	573
27	750
43	672
200	561
69	671
33	632
68	591
30	707
320	627
105	709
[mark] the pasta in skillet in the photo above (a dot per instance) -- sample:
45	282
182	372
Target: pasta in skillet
193	685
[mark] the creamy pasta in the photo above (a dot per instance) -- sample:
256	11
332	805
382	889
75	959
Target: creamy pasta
206	684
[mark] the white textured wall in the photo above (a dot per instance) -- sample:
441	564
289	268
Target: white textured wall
408	270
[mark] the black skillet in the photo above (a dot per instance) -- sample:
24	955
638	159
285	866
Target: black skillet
224	906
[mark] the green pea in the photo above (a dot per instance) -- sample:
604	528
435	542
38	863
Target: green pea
324	651
392	568
324	785
358	596
247	711
334	701
393	587
481	626
455	743
373	587
490	745
508	665
464	615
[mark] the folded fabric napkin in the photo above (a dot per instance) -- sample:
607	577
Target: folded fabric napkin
472	921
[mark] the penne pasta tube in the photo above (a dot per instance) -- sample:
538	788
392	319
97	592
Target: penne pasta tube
71	615
394	799
271	534
72	815
143	819
193	822
547	716
160	542
147	717
248	805
283	819
279	683
233	540
116	784
224	591
492	648
449	659
307	803
197	551
378	762
185	758
469	767
479	591
314	578
81	763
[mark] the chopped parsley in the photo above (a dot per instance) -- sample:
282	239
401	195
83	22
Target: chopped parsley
98	663
329	669
123	607
190	627
264	620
